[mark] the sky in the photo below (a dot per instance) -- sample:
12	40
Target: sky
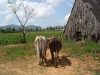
48	12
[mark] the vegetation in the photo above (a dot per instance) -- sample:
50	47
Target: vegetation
14	30
21	51
15	38
11	53
76	49
28	13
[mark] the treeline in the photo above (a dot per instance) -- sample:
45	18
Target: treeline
13	30
8	30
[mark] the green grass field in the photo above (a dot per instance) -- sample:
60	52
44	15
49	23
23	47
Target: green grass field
11	49
76	49
13	38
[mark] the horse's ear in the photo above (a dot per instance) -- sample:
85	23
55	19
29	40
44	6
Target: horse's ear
48	39
59	39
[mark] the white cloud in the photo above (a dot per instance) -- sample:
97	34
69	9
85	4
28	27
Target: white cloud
3	6
54	2
31	21
9	17
2	22
66	18
70	2
44	11
36	24
63	21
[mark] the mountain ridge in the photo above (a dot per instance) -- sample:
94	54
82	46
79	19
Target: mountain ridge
17	26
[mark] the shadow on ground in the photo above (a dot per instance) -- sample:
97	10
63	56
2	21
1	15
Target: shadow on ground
64	61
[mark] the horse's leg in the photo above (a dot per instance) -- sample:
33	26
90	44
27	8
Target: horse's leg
56	55
52	55
42	60
39	61
40	57
45	57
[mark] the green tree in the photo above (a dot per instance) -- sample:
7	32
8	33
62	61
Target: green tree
20	30
31	29
28	13
36	29
8	30
47	28
62	27
40	29
14	30
58	27
1	29
55	27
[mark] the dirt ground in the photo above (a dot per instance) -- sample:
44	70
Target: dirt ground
66	66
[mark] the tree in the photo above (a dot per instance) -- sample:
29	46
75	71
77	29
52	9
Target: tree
13	30
40	29
28	13
36	29
47	28
20	30
55	27
62	27
1	29
31	29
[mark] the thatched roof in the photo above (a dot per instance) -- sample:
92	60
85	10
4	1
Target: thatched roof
94	6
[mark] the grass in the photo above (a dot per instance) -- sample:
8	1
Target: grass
14	38
97	71
17	52
76	49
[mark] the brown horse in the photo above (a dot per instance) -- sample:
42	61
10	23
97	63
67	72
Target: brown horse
54	45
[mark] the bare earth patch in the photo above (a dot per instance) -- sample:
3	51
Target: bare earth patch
66	66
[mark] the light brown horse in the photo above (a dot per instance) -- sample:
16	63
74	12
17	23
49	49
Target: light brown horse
41	46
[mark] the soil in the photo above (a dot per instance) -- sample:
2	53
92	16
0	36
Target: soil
66	66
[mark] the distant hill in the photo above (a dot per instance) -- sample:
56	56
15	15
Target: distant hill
17	27
32	26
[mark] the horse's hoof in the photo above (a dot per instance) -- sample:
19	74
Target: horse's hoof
55	66
39	64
